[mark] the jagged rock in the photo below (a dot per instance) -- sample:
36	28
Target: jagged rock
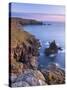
24	49
38	75
16	68
22	54
52	49
20	84
54	76
41	82
32	77
34	62
13	77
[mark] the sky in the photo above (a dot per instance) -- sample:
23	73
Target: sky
38	11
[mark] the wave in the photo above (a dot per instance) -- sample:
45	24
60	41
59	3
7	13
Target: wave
41	54
55	65
47	43
62	51
52	55
51	65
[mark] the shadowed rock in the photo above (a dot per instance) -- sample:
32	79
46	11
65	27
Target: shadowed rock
53	49
20	84
54	75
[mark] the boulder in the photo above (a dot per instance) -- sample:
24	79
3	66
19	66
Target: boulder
20	84
54	76
31	78
34	62
13	77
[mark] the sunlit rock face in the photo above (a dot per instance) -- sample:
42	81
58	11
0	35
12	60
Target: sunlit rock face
29	78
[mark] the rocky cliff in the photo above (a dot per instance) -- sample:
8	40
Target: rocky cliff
23	60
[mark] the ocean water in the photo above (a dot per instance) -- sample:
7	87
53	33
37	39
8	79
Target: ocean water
47	33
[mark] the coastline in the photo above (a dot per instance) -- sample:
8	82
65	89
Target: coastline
24	60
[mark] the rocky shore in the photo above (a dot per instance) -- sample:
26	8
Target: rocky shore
23	62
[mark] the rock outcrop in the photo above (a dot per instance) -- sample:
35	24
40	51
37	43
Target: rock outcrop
24	58
29	78
53	49
54	75
24	48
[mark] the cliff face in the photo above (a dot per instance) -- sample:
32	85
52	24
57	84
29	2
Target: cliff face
24	47
24	57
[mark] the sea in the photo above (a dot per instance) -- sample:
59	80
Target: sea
46	33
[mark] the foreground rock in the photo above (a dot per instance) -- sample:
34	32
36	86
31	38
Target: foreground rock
54	75
29	78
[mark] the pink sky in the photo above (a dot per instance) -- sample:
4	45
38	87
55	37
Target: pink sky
43	17
59	18
39	11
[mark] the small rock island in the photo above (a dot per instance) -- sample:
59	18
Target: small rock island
53	49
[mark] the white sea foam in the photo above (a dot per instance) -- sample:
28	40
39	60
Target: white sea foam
61	51
52	55
40	42
41	54
54	65
57	44
47	43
